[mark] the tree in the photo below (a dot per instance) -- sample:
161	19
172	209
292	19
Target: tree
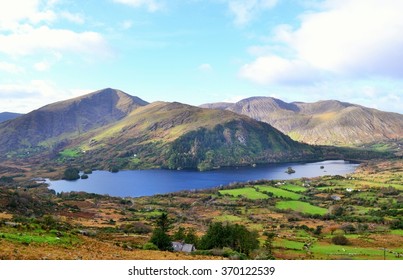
160	236
179	235
162	240
318	230
237	237
268	245
191	237
71	174
163	222
340	240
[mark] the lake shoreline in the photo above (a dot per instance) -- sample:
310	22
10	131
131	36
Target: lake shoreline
138	183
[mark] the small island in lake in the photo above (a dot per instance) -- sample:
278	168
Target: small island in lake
290	170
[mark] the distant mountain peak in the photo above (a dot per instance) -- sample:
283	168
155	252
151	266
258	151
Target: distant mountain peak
330	122
70	117
268	102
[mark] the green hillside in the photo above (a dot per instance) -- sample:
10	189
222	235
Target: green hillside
177	136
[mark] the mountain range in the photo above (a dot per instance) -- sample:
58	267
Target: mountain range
109	128
327	122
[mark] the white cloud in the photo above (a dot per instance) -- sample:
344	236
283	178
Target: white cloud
127	24
13	12
10	68
25	29
274	69
245	10
30	40
42	66
75	18
205	67
358	39
361	36
25	97
151	5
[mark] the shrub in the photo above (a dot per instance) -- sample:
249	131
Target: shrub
236	237
136	227
397	224
71	174
88	171
150	246
340	240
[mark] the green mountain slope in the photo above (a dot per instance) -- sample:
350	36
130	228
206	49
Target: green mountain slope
57	123
177	136
321	123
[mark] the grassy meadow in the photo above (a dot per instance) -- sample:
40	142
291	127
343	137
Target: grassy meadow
358	216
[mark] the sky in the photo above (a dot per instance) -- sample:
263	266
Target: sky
202	51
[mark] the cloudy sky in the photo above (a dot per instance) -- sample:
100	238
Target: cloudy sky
199	51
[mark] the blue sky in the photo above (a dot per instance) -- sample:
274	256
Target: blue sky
195	51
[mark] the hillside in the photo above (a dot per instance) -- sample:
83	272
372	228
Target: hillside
177	136
328	122
5	116
110	129
55	123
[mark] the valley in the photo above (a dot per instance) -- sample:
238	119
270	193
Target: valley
304	218
349	216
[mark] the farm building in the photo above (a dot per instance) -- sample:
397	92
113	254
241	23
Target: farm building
183	247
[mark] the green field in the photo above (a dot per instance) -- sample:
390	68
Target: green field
36	237
72	153
289	244
300	206
249	193
397	232
279	192
339	251
293	188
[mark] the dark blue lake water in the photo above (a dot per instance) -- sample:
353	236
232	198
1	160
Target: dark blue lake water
137	183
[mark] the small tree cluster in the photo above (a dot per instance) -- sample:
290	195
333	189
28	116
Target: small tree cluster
71	174
237	237
186	235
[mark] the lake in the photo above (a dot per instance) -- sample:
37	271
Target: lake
135	183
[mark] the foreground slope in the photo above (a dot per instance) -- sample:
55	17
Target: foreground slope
324	122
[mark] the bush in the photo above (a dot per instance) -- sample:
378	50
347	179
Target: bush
397	224
349	228
150	246
6	179
136	227
340	240
236	237
114	169
71	174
